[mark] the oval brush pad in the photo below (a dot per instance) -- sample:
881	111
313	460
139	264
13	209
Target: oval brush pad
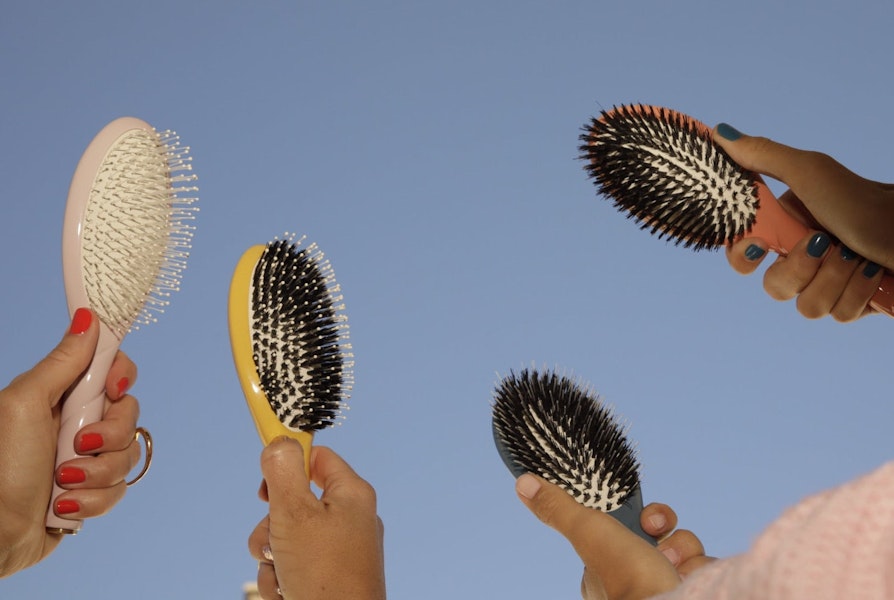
552	426
125	241
663	169
289	337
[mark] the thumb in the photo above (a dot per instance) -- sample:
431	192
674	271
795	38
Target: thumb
557	509
818	182
52	376
282	466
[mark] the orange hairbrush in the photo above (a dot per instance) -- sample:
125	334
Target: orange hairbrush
664	170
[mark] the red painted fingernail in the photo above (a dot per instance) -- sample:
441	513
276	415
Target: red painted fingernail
64	507
89	441
123	384
71	475
81	320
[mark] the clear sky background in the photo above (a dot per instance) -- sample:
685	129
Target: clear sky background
430	149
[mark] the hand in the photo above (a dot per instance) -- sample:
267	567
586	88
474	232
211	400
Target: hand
29	426
317	549
618	564
827	276
681	547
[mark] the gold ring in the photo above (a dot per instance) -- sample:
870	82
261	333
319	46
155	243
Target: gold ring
141	432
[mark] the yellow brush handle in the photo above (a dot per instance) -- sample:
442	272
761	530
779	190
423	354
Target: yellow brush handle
268	424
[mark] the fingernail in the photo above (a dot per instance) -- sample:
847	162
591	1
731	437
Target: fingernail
267	553
847	253
672	555
64	507
729	132
658	522
81	320
870	270
89	441
818	245
527	486
754	252
71	475
123	384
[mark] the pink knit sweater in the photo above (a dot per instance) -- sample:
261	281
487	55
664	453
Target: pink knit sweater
837	545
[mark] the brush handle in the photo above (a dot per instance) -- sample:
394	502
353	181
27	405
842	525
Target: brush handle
628	515
782	232
83	405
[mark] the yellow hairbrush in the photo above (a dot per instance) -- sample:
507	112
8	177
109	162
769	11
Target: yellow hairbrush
289	337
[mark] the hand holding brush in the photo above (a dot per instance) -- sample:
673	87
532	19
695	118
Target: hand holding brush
671	175
577	472
824	272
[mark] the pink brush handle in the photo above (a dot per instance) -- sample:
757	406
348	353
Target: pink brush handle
782	232
83	405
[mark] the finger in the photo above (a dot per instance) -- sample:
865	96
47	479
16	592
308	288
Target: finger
681	546
658	519
789	275
339	482
268	586
116	431
613	556
854	300
824	291
282	465
588	530
259	541
804	171
87	503
746	255
122	375
53	375
104	470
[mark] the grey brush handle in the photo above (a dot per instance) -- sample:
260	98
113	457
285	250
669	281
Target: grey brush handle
629	512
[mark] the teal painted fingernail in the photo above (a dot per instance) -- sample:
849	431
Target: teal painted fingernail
754	252
818	245
870	270
847	253
729	132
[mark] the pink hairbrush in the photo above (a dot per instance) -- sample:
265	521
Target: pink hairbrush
664	170
125	241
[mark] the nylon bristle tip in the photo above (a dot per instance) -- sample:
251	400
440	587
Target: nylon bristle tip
552	426
137	228
299	336
663	170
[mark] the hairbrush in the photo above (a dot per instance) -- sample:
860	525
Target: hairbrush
289	337
554	427
125	240
664	170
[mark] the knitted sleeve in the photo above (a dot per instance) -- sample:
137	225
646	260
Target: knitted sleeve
837	545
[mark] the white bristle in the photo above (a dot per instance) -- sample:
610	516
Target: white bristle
137	230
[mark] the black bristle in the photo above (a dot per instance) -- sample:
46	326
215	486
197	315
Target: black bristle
663	169
299	336
550	425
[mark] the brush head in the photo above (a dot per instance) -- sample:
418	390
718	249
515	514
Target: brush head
663	169
549	425
299	336
128	231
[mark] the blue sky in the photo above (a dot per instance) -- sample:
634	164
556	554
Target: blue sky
430	149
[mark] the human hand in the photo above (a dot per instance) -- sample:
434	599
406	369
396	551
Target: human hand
828	276
681	547
618	564
29	426
312	548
